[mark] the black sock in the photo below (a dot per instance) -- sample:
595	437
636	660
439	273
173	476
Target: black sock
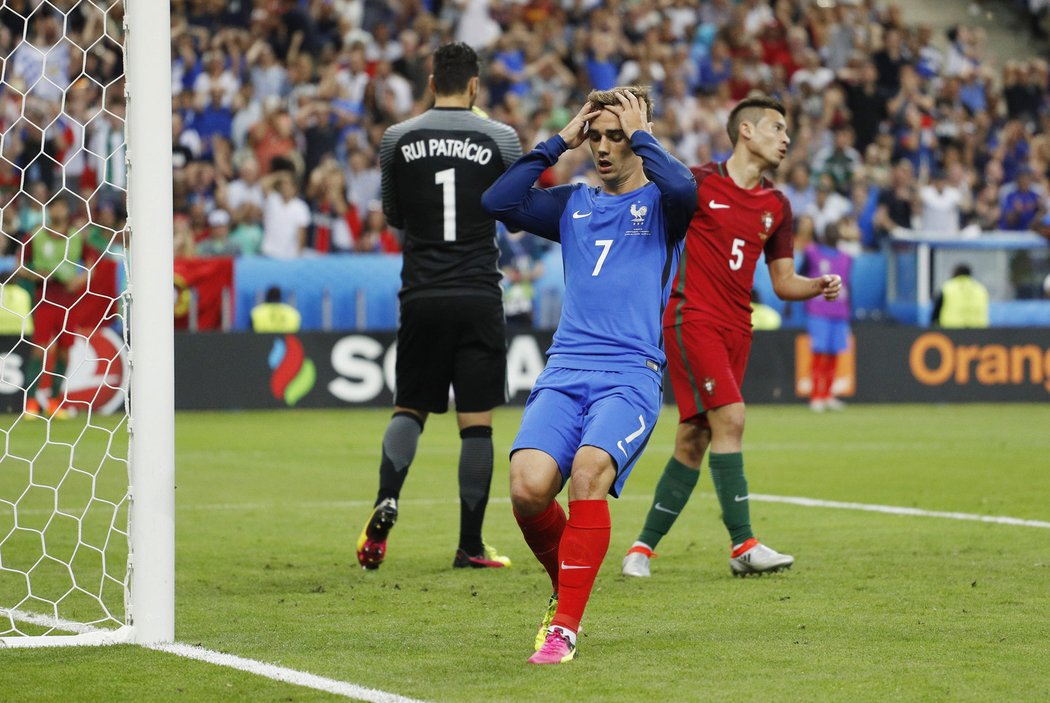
475	477
399	449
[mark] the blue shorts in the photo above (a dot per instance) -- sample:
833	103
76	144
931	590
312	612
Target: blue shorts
612	410
827	336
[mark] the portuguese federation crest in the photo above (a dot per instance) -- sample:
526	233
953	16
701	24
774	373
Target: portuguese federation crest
709	385
767	224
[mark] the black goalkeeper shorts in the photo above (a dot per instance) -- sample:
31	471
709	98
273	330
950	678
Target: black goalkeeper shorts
459	341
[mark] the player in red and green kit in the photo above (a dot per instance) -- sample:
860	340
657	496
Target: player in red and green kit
707	329
52	258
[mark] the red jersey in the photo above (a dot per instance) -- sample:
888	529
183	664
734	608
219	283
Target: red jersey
729	230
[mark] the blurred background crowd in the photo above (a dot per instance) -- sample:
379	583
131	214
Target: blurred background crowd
890	127
279	106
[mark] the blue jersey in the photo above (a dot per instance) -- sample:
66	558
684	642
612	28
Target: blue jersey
619	252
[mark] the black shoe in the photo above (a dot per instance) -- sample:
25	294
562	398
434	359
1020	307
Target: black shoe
487	559
371	545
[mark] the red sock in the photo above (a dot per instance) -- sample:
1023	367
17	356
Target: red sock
583	546
818	372
829	373
814	376
543	534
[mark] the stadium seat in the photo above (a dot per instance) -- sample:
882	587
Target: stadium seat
868	289
361	289
1019	313
548	290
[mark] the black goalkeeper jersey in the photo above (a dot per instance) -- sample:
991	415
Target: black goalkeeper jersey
434	169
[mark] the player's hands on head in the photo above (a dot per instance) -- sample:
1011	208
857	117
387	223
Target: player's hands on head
830	286
631	112
575	133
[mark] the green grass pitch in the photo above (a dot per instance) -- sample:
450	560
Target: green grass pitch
879	607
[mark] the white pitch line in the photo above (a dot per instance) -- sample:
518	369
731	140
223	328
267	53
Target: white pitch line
283	674
899	510
25	616
89	634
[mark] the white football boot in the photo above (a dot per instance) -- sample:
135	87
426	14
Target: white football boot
636	562
755	558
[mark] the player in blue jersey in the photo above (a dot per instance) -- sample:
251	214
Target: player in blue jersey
594	406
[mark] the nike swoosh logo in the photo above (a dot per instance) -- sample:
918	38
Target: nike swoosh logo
631	437
717	206
572	566
577	215
662	509
741	499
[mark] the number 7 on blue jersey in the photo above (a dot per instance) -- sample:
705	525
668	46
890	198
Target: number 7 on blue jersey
606	245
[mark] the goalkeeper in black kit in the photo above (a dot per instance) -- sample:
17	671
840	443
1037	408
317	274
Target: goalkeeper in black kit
453	331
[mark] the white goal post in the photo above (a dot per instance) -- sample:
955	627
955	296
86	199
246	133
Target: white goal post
151	560
59	580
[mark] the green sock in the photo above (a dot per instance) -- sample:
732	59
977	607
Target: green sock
34	365
727	472
58	383
672	493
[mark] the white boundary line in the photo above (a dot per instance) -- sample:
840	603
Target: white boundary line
896	510
79	628
84	634
87	634
283	674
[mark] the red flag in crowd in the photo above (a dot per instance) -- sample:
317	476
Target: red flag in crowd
96	304
204	280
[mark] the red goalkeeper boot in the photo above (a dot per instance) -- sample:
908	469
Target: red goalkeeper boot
371	545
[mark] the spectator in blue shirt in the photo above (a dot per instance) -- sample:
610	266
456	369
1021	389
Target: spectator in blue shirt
716	67
1021	205
602	67
799	189
213	119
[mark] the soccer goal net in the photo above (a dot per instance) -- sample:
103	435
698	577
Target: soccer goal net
87	463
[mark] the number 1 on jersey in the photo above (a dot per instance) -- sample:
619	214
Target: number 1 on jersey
447	180
606	245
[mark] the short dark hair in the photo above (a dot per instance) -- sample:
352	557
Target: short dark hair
454	65
832	235
605	98
962	270
750	110
273	294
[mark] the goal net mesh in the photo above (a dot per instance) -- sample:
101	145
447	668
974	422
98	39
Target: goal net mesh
64	437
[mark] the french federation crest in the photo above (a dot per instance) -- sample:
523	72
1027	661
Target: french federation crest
767	223
638	213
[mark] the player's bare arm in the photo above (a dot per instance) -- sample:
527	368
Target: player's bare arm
575	133
830	285
272	181
789	285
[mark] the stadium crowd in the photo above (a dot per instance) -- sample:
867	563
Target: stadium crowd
279	106
889	129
